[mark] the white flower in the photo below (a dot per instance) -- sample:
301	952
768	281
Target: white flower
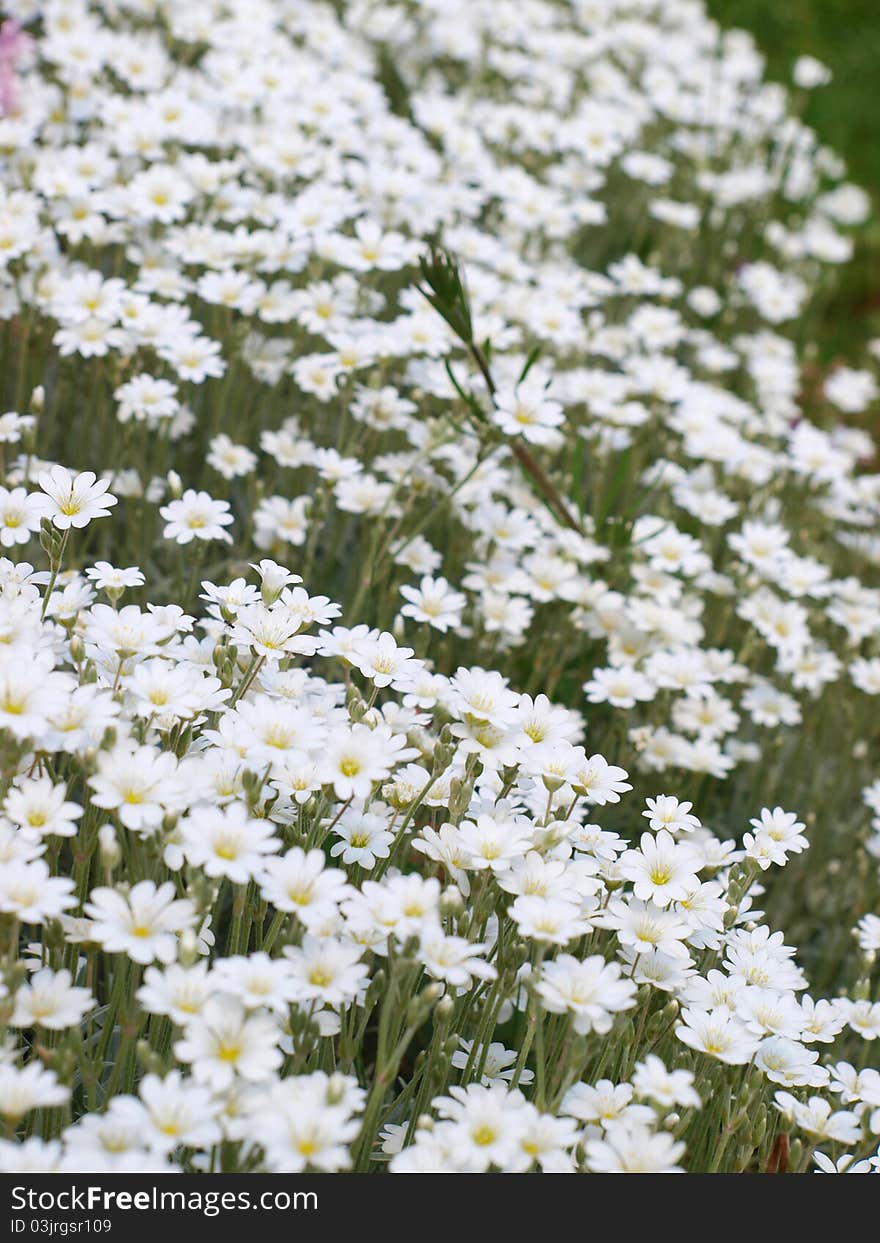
364	838
633	1148
645	927
73	500
49	999
108	577
301	883
652	1081
662	870
598	781
666	812
717	1033
138	784
39	807
29	1087
177	1112
433	602
326	970
592	991
525	410
224	1041
196	516
20	515
226	841
28	892
354	760
143	923
229	459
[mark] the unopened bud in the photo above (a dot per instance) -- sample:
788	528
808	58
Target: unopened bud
109	846
862	990
442	757
252	783
445	1009
188	948
451	901
419	1007
147	1057
355	705
336	1088
375	989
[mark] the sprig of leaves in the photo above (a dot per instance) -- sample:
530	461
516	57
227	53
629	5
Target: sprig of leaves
443	285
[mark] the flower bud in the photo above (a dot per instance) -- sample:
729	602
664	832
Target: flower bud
355	705
420	1006
451	902
335	1089
188	948
109	846
445	1009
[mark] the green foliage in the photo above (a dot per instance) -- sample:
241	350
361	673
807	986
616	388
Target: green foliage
845	36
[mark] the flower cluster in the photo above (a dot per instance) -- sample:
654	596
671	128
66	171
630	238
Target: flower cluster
470	860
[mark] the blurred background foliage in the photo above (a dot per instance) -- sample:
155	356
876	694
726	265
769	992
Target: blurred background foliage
844	35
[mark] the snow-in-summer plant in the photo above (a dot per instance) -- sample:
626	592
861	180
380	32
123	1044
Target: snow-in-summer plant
439	596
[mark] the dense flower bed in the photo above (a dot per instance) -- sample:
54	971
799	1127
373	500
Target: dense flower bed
439	594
